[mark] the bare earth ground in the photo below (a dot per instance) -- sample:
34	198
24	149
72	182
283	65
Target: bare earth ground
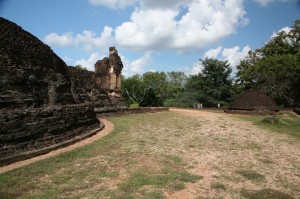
229	145
219	147
107	129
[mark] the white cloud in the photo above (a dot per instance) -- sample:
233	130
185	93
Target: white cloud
154	26
89	63
285	29
54	39
88	40
266	2
213	53
196	68
233	55
137	66
112	3
68	60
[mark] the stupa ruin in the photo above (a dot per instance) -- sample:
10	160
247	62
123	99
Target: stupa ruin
253	102
45	104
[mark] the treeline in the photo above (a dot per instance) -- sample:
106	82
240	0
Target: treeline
273	69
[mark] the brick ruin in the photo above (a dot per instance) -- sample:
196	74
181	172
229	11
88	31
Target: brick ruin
253	102
108	74
45	104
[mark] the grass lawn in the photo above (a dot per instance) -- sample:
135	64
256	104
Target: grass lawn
168	155
288	123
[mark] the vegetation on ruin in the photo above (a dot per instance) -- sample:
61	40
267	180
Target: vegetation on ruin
80	67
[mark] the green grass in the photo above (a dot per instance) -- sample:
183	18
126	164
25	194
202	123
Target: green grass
265	194
251	175
218	186
148	156
287	123
117	157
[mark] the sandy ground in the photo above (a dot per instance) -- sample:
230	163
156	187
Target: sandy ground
216	149
109	126
231	144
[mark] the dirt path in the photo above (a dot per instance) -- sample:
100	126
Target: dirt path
228	145
229	155
109	126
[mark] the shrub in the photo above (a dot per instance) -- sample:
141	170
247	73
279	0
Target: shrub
134	106
270	120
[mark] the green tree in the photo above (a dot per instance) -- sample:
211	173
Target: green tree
133	89
175	89
80	67
275	68
213	85
157	92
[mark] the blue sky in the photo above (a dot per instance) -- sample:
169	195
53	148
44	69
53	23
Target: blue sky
152	35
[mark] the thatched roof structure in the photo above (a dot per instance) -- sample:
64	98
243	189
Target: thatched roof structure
253	100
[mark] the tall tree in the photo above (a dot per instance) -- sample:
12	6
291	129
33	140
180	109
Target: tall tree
133	89
213	85
275	68
176	95
157	84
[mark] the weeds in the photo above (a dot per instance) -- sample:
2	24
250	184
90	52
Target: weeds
251	175
265	194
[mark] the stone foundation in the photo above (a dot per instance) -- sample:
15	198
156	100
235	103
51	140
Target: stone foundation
113	111
252	112
297	111
26	133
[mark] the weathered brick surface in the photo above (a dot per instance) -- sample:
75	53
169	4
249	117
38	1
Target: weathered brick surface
253	102
31	75
297	111
37	107
27	130
114	111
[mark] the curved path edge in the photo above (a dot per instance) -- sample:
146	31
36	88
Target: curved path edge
108	127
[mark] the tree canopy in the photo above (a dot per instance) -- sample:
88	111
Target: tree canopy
275	68
213	85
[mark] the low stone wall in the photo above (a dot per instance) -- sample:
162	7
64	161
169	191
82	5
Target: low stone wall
297	111
252	112
104	112
27	133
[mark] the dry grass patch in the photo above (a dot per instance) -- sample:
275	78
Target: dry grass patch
177	154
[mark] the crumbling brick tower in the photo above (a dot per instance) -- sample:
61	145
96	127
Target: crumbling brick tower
108	74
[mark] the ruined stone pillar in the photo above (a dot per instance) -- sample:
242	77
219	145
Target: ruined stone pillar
113	79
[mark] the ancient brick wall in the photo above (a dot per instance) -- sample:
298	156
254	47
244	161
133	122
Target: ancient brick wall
82	84
37	108
104	112
30	131
30	72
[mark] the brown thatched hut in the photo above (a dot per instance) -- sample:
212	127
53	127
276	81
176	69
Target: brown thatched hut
253	102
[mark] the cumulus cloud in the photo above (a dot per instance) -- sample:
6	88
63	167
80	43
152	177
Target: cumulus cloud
213	53
88	40
136	66
285	29
233	55
89	63
266	2
158	27
66	39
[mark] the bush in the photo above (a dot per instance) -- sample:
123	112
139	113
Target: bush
134	106
270	120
